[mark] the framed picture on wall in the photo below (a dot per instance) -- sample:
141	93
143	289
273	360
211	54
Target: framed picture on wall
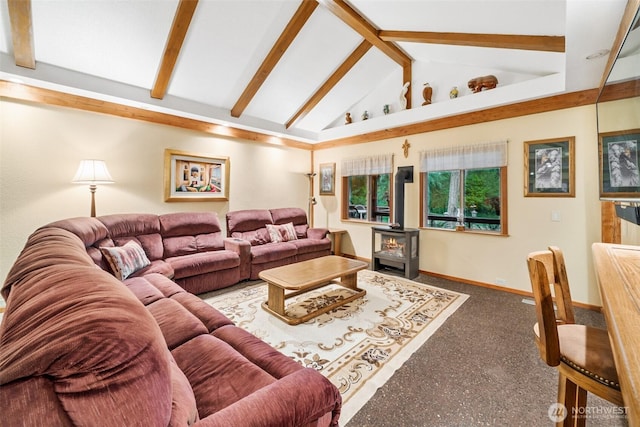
549	167
190	177
327	179
619	172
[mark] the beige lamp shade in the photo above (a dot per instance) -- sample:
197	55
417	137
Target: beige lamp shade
92	172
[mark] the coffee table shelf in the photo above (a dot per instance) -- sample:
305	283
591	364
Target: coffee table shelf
295	279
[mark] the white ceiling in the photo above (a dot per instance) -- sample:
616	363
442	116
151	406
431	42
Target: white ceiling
112	49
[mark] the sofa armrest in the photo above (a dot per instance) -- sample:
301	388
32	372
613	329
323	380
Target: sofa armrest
317	233
295	400
243	249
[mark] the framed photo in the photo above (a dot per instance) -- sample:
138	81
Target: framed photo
549	168
327	179
619	173
190	177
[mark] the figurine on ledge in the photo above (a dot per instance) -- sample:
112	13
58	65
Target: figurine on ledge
479	83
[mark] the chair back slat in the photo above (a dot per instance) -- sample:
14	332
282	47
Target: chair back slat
541	273
562	291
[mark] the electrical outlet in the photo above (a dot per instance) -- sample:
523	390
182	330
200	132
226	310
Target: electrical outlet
501	282
555	216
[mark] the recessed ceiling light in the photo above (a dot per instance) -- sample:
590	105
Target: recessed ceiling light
599	54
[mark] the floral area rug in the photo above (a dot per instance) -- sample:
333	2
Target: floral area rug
357	346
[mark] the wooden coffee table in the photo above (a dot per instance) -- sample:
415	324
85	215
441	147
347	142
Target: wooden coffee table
306	276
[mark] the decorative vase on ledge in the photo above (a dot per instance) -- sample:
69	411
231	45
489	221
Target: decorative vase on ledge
426	94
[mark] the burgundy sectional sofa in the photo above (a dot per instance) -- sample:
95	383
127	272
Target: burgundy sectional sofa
250	226
79	347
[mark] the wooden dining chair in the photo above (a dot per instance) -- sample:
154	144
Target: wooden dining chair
582	354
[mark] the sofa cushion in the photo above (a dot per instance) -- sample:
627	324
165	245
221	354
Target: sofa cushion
247	220
211	318
184	410
84	331
177	324
120	225
125	260
281	233
157	266
296	216
254	237
189	223
32	261
168	287
144	228
301	230
185	245
257	351
220	376
306	246
273	252
203	262
88	229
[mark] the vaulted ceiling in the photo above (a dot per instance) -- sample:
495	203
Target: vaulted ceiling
295	67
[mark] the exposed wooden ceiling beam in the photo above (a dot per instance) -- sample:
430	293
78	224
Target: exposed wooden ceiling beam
625	24
277	51
360	25
181	22
22	33
502	41
342	70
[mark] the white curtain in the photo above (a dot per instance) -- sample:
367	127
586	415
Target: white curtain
488	155
369	165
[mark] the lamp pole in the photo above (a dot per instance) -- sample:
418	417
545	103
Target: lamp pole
312	200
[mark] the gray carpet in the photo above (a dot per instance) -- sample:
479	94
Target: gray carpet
481	368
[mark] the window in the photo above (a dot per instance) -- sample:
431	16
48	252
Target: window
367	181
465	188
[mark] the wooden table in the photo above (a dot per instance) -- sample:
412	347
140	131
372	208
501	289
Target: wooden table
618	272
306	276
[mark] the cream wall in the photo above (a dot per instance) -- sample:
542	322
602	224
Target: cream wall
40	148
493	259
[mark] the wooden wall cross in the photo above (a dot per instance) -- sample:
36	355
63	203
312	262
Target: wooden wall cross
405	147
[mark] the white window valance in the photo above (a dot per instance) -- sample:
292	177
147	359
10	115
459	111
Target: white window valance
487	155
369	165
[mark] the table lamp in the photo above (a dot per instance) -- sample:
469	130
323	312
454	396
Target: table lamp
92	172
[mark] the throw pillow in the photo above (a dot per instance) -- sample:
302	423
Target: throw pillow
282	233
126	259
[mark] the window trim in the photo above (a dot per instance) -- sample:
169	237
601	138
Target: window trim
504	230
370	200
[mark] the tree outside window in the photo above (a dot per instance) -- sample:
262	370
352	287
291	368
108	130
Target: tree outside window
476	204
464	187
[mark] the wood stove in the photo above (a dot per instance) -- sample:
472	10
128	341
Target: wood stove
396	248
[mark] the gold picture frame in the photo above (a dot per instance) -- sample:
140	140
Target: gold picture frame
327	179
549	167
191	177
618	154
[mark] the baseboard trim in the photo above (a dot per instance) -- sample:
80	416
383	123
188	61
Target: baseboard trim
485	285
503	289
